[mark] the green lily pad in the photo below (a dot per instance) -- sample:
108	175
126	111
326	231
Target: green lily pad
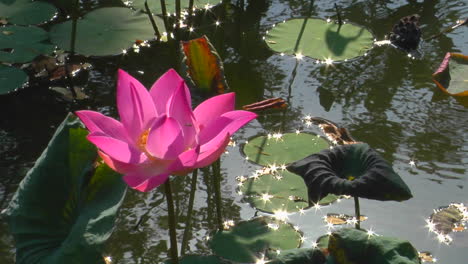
450	77
319	39
11	79
26	12
350	245
283	191
249	240
155	6
282	149
298	256
22	44
445	220
64	209
105	31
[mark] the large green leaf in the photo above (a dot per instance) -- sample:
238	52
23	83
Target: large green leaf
298	256
26	12
65	207
204	66
105	31
22	44
248	240
11	79
350	245
355	170
319	39
155	6
283	191
282	149
451	76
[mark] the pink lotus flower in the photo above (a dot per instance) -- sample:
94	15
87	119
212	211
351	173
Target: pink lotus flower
158	133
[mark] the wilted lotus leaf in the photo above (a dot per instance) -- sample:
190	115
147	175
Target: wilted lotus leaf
204	66
350	245
342	219
426	257
22	44
278	192
453	218
65	207
271	103
279	149
319	39
155	6
105	31
354	170
26	12
336	134
452	75
11	79
249	240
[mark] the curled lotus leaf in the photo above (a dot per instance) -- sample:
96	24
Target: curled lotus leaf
278	192
22	44
451	76
319	39
11	79
248	240
64	209
155	6
26	12
280	149
355	170
105	31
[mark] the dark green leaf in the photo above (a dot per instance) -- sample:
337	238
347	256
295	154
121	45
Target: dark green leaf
105	31
354	170
318	39
298	256
65	207
26	12
11	79
22	44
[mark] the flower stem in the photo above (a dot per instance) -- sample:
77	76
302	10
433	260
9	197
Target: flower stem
172	222
188	224
357	212
217	186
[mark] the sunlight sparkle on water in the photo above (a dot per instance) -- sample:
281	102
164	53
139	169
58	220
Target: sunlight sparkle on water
280	215
328	61
299	56
266	197
108	259
261	260
314	244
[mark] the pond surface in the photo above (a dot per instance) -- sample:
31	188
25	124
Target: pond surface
385	99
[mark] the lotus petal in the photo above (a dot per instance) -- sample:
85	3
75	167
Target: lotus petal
213	108
163	89
143	183
116	149
97	122
165	139
229	123
180	109
212	150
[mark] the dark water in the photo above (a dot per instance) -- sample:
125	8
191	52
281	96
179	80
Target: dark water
385	99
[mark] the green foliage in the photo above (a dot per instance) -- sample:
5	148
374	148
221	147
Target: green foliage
285	192
193	259
298	256
26	12
155	6
65	207
11	78
352	246
105	31
265	150
318	39
22	44
246	241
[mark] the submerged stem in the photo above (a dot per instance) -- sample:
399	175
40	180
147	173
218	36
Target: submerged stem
217	186
188	224
357	212
172	222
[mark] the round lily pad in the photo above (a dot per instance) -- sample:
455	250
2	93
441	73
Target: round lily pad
26	12
249	240
155	6
22	44
105	31
319	39
450	77
282	149
284	191
11	78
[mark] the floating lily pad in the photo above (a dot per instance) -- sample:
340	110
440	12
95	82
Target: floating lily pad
26	12
64	209
11	79
342	219
426	257
319	39
453	218
283	191
22	44
105	31
249	240
282	149
298	256
451	76
155	6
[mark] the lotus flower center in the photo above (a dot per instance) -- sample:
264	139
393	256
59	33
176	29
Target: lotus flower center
141	143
